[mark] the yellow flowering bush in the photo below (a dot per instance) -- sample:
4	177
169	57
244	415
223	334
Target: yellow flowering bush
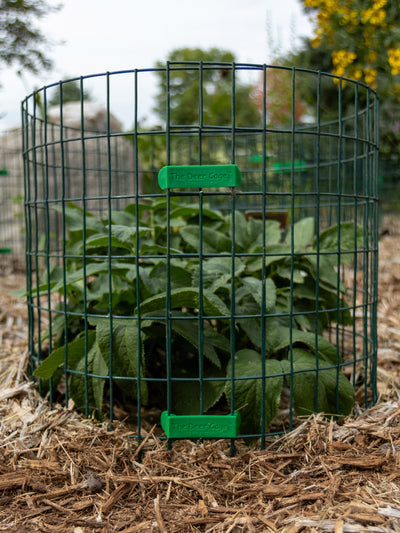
394	60
341	59
362	35
360	40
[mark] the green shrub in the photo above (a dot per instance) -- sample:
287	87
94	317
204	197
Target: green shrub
287	292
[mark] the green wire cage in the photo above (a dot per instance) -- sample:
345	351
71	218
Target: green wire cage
216	273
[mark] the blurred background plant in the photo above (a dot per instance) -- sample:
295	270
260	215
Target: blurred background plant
358	39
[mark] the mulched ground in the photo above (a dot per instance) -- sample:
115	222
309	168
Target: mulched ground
62	473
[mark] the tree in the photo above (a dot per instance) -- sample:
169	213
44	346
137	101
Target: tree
278	98
22	44
71	92
216	95
359	39
362	36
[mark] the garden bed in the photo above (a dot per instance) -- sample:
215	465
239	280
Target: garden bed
61	472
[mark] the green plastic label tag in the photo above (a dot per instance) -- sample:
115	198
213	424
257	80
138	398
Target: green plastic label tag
197	426
199	176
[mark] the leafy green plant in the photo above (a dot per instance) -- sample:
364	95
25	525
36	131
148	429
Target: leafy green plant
122	277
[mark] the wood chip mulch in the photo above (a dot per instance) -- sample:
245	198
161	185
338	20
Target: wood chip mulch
62	473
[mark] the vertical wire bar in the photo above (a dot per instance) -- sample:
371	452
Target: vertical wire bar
233	295
371	243
263	269
292	208
64	238
331	173
99	179
374	309
55	186
201	303
109	255
168	348
28	140
83	151
355	218
47	225
139	318
35	218
366	239
339	218
370	231
28	231
317	230
370	290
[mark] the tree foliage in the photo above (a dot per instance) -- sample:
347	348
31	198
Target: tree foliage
22	44
71	92
360	39
279	102
215	98
363	36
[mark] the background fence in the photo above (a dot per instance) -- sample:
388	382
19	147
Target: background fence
12	224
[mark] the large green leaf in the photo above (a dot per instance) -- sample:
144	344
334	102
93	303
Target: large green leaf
345	239
303	233
252	328
241	233
101	240
150	248
140	209
127	234
180	276
188	389
79	278
123	218
274	253
217	272
72	353
285	272
88	392
255	231
323	271
188	212
253	287
213	240
189	330
188	298
43	289
250	391
187	327
280	337
75	218
126	357
318	389
249	233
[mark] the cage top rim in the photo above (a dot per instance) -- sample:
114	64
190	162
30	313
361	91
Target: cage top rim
204	65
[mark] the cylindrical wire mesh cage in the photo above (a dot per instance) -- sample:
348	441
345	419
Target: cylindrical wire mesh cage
194	300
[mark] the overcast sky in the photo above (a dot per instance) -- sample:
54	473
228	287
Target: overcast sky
96	36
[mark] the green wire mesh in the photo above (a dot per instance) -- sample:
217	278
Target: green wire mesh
259	299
